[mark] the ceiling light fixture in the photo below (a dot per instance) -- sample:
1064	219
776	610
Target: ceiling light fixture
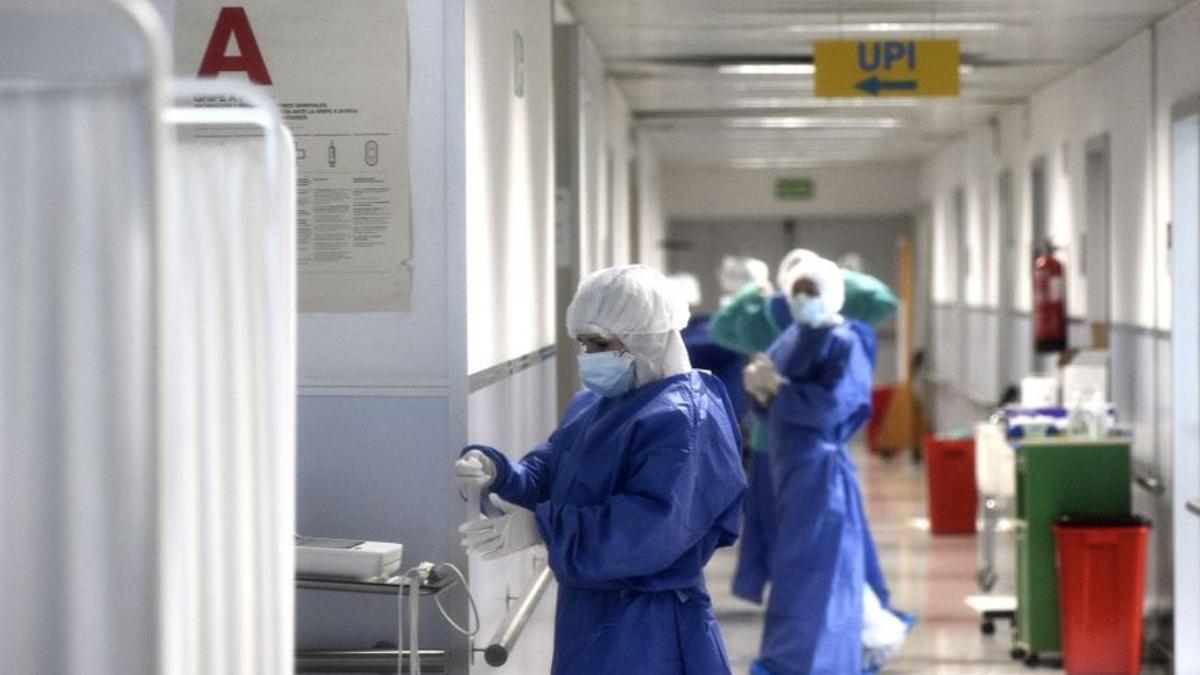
788	163
814	123
767	69
900	27
791	69
812	102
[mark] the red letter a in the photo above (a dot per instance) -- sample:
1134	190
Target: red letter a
232	22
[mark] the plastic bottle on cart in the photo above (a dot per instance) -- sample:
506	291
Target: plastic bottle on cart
1098	416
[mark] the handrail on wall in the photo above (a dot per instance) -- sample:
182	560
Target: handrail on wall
1150	484
505	639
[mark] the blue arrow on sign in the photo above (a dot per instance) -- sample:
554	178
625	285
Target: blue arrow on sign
873	85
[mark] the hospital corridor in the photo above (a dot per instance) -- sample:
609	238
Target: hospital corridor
600	337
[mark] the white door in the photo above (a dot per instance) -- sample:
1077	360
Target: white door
1185	266
1094	258
1007	241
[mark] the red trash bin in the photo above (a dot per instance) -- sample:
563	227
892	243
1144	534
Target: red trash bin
950	471
881	397
1101	579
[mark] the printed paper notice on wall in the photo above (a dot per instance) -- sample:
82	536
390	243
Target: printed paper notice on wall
339	71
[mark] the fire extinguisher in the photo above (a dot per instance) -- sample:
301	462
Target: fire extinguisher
1049	302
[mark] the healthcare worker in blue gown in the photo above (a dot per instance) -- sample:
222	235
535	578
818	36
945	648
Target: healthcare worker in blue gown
749	323
820	379
631	494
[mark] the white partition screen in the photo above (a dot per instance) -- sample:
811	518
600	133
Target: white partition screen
79	148
147	357
228	264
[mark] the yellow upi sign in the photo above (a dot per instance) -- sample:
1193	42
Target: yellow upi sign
879	68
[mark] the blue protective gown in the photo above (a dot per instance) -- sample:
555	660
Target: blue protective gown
747	322
705	354
874	572
814	615
632	496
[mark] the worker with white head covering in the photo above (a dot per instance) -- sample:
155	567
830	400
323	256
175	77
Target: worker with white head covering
822	396
817	290
631	494
737	272
750	324
637	310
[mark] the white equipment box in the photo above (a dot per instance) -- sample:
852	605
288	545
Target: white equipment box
346	558
1038	391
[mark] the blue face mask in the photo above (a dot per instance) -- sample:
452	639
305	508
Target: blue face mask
609	374
808	310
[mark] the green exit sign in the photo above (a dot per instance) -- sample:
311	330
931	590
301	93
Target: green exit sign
794	188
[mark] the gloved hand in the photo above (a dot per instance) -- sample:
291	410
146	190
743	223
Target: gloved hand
761	380
474	470
515	530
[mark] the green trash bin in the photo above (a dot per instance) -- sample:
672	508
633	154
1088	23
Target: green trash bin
1056	477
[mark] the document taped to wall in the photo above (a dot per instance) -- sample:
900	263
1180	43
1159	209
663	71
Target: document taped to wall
339	71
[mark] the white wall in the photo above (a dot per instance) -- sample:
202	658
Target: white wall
651	220
595	151
1176	78
864	190
510	273
1111	96
591	190
1126	95
618	121
510	183
383	406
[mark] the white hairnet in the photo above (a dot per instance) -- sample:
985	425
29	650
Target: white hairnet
737	272
688	287
825	274
794	257
639	306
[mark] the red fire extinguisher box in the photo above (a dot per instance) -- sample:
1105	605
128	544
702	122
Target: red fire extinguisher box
1049	303
950	467
1101	579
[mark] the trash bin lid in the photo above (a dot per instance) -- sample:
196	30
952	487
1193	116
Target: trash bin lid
1127	520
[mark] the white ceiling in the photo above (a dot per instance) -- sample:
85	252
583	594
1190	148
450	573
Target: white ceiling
666	56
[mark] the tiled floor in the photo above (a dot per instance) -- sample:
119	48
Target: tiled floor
929	576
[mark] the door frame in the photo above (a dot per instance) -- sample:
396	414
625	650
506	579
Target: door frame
1006	240
1185	389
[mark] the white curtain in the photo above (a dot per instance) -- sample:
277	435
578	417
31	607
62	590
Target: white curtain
147	362
78	386
230	395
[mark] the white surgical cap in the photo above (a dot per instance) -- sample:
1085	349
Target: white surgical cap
639	306
825	274
737	272
688	287
794	257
